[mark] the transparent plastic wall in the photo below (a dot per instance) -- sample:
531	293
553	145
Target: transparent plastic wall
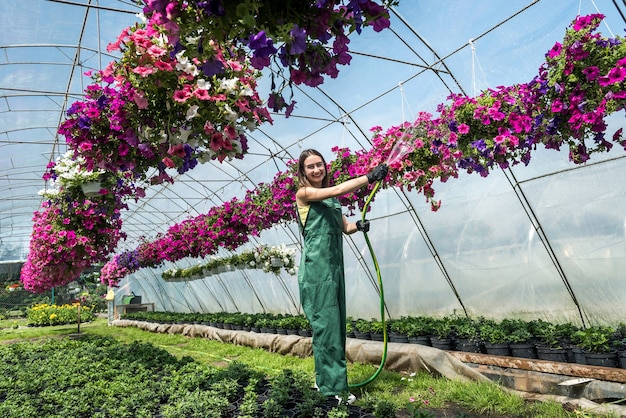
550	246
543	241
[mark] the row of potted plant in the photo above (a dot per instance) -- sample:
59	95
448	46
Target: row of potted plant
104	377
270	259
266	322
509	337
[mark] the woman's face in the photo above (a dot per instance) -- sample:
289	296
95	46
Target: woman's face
314	170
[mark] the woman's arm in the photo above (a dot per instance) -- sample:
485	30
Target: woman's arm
348	227
306	195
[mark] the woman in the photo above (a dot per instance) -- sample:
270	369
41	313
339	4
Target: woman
321	275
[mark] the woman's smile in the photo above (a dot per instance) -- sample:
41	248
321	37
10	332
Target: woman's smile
314	170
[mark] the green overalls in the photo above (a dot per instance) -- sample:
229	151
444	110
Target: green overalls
322	293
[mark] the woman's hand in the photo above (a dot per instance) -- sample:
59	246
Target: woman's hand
363	226
378	174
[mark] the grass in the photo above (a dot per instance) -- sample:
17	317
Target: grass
432	392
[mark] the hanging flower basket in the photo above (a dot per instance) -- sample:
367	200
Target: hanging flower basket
91	188
276	262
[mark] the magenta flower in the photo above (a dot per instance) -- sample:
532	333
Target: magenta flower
591	73
615	75
555	51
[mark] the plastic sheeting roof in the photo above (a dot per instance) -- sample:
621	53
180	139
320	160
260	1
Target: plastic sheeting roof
546	240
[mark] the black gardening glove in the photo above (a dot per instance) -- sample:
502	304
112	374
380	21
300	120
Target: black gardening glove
363	226
378	174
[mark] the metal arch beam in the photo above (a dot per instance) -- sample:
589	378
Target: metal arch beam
432	248
30	128
536	223
441	60
75	63
57	46
534	220
620	10
37	93
93	6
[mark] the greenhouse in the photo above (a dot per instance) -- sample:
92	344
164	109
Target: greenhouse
498	124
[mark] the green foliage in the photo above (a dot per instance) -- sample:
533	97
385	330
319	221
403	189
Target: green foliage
123	374
46	315
249	407
466	328
377	326
340	411
385	409
420	326
415	410
552	335
595	339
196	404
363	325
487	398
493	332
442	328
271	408
517	331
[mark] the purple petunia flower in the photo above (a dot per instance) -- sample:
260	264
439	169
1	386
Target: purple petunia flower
591	73
212	67
84	122
480	145
298	40
102	101
72	109
146	150
261	45
212	7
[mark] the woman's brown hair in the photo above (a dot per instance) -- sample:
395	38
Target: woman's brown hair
302	180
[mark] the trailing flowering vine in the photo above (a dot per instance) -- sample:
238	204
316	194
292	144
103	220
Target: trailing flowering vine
183	92
579	85
581	82
185	88
72	230
268	258
299	41
499	128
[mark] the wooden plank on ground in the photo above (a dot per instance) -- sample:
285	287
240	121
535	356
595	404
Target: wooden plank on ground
566	369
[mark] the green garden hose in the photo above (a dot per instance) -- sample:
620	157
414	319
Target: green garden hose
382	295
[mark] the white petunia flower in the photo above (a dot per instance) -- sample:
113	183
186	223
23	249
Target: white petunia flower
246	91
236	144
228	85
182	136
204	84
250	125
193	40
192	112
229	114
